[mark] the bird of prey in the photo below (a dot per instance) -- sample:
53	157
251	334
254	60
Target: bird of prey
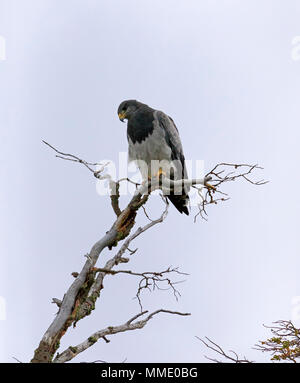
154	144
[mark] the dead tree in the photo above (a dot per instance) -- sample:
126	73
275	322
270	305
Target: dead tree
80	299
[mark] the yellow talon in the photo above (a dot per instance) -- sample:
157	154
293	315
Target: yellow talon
157	175
160	172
209	186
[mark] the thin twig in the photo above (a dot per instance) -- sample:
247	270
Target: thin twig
218	349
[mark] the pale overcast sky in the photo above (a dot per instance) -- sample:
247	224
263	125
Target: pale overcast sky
229	75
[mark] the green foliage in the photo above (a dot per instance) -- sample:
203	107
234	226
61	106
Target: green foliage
285	345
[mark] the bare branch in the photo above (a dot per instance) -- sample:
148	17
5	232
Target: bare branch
72	157
220	174
56	301
150	279
98	285
216	348
97	361
131	324
17	359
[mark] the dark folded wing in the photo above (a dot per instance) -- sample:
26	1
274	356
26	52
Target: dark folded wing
173	140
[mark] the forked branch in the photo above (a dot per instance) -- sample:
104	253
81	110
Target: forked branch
131	324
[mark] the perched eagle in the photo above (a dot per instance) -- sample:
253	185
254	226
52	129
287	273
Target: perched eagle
155	146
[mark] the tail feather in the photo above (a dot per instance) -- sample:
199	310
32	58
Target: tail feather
180	202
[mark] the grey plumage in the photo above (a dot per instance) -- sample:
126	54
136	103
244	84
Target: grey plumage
154	143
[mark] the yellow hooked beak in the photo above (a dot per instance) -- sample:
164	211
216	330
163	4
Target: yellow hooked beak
122	115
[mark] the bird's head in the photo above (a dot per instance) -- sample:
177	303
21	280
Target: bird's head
128	108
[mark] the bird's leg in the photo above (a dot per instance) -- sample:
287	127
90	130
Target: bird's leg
159	174
210	187
153	178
